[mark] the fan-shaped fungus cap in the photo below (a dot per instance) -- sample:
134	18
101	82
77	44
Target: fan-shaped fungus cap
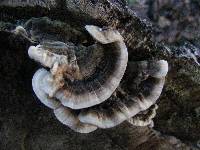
45	55
125	109
104	36
69	117
72	84
82	93
41	95
63	114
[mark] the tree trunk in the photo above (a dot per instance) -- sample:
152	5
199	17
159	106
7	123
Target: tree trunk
24	122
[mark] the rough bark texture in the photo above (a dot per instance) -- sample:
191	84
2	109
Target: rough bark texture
176	24
27	124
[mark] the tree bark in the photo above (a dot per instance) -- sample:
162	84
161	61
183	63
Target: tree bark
24	123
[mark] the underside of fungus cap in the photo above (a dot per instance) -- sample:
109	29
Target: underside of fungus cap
84	92
69	117
123	109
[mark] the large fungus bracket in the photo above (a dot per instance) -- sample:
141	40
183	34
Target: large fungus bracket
79	101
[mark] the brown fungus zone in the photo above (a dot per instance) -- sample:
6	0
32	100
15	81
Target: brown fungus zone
114	111
82	91
95	79
81	81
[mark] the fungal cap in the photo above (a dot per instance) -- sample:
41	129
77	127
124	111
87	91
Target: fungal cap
158	69
41	95
122	111
68	117
104	36
36	53
96	92
45	57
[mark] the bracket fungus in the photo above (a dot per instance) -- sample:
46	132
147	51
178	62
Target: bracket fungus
73	89
63	114
79	87
118	111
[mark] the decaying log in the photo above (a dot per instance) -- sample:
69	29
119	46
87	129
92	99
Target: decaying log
104	13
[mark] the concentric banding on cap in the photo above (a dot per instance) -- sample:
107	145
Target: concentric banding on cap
41	95
100	85
69	118
118	111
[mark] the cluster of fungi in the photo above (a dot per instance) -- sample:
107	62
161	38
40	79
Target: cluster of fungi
81	90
